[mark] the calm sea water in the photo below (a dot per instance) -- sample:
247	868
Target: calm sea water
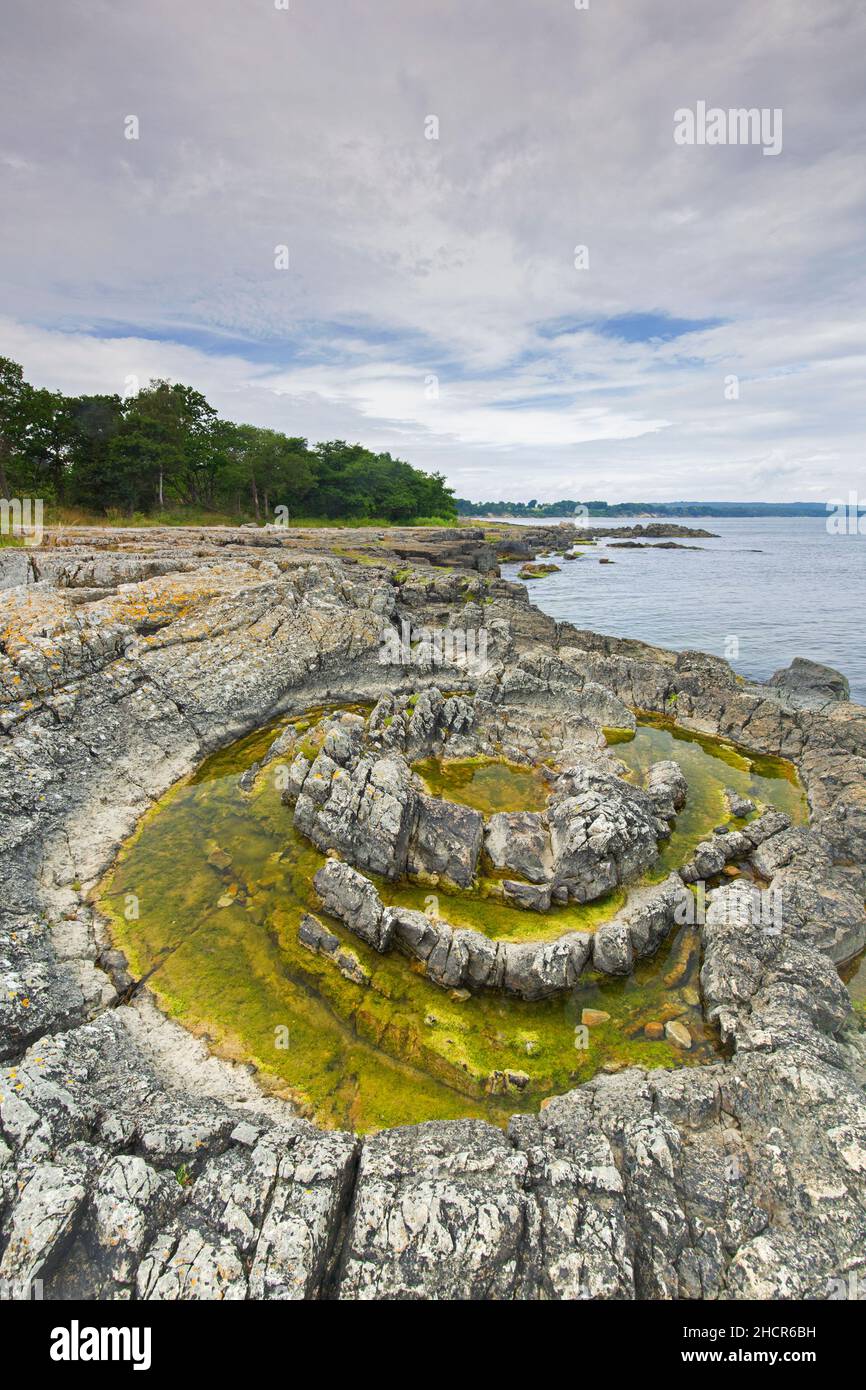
765	591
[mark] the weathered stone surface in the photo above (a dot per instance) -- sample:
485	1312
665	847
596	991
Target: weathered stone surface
519	841
352	899
612	949
738	805
446	841
132	1165
365	811
320	941
602	832
534	897
809	685
440	1211
667	786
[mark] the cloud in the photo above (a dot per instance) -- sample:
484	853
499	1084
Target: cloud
454	258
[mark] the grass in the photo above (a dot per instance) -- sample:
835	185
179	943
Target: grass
56	515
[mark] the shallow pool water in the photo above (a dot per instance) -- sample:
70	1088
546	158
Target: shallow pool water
219	881
488	785
710	765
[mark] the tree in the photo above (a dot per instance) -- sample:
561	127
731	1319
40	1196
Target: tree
46	445
167	441
169	434
94	422
13	419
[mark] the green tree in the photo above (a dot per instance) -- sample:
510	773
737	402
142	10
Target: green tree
13	422
94	422
47	440
168	439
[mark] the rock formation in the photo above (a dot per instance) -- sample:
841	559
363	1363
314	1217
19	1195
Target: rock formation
134	1165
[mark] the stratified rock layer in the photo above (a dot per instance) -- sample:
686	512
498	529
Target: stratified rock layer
131	1164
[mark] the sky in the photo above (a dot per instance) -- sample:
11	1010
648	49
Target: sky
433	303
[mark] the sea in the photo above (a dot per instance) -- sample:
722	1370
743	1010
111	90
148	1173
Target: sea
762	592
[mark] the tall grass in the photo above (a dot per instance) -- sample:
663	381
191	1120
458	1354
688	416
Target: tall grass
56	515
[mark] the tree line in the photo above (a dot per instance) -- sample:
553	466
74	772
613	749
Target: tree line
166	447
568	507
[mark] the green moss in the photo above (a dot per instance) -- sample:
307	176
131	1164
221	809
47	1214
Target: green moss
484	909
397	1051
359	557
612	736
710	765
854	976
487	784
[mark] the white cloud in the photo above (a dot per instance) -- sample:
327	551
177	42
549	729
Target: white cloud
411	257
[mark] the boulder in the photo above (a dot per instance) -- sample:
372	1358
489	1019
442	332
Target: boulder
535	970
738	805
533	897
602	831
809	685
446	841
667	787
520	841
612	950
353	900
365	812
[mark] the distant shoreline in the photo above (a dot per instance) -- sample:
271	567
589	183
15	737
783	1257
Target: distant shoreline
568	510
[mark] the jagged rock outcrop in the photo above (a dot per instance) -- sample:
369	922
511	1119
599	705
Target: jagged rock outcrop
457	957
810	685
133	1165
603	832
598	831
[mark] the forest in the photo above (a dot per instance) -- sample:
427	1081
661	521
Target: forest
165	450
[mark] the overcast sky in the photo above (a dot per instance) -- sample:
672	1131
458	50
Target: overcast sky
417	263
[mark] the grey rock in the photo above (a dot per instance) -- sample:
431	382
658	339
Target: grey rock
667	787
808	685
353	900
439	1209
602	831
519	841
446	842
534	897
612	948
738	805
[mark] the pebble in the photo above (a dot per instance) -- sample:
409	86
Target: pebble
678	1034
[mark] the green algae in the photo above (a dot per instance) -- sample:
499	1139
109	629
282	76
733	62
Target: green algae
854	976
488	785
485	911
613	735
710	765
219	881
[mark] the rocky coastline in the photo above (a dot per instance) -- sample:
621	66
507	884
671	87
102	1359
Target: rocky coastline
135	1165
